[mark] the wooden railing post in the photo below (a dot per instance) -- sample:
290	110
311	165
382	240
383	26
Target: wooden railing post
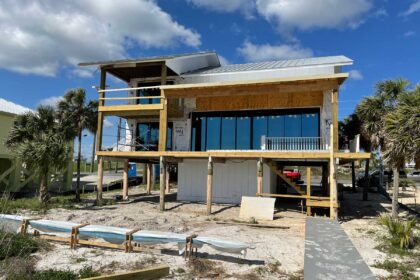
209	185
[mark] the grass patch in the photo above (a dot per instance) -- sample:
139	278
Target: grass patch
17	245
399	270
53	274
204	268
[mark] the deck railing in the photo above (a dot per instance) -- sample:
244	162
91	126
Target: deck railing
292	143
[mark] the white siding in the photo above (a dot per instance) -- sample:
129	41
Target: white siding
231	180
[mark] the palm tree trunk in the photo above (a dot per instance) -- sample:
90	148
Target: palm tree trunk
395	193
43	188
366	181
79	155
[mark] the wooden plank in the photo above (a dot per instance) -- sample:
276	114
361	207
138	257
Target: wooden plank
252	225
333	178
294	196
125	180
144	274
260	208
219	154
130	98
149	178
209	185
99	128
162	181
321	203
261	101
115	109
163	125
308	189
99	183
356	156
260	169
334	111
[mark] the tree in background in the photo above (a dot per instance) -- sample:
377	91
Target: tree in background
402	134
372	112
38	140
77	114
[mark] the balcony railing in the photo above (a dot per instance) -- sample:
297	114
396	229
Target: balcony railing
292	143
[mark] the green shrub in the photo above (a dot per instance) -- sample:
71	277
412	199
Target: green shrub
401	232
87	272
16	245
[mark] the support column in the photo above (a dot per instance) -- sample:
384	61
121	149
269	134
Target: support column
144	175
259	176
325	188
167	186
162	183
125	180
209	185
308	190
353	178
100	181
149	178
333	180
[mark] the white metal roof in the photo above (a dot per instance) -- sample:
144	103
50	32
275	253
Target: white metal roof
12	108
279	64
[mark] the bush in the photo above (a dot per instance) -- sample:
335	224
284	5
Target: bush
87	272
401	232
16	245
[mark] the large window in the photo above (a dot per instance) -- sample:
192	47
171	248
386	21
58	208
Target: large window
242	130
148	136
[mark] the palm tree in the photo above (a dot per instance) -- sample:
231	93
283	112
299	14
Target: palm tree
402	132
77	114
38	141
372	112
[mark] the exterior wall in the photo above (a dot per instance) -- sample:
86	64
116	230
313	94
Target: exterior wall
231	180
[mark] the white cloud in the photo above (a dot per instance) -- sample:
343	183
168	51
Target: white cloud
309	14
414	7
45	35
223	60
245	6
380	13
265	52
83	73
50	101
409	33
356	75
108	124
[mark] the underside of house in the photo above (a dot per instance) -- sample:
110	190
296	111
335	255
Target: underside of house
230	130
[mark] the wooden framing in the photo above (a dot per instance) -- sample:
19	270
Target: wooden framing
99	184
333	179
162	181
209	185
334	111
260	171
129	238
125	180
144	274
308	189
163	125
149	178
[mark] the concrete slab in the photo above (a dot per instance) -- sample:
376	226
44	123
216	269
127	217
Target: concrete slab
260	208
330	254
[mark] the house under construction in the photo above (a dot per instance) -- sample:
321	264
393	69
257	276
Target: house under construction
230	129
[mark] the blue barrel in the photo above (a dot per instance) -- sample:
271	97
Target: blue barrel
132	170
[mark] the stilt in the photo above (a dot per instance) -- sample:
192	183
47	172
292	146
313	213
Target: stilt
259	176
209	185
167	186
149	178
325	188
162	183
125	180
333	180
353	177
144	178
100	181
308	189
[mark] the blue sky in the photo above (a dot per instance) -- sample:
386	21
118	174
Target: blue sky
46	39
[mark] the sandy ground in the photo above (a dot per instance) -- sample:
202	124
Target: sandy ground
282	248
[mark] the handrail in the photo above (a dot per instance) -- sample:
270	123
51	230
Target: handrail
292	143
127	89
131	97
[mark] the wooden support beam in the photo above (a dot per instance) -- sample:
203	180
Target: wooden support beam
149	178
333	179
308	189
334	109
144	274
167	185
99	184
260	168
209	185
74	233
99	128
129	238
324	180
125	180
163	125
162	184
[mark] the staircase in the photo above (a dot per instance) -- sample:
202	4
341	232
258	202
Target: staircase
289	182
